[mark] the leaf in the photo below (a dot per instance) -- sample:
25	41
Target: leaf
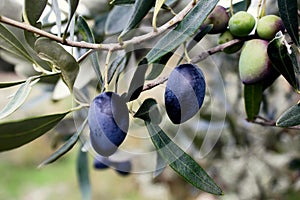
181	162
288	11
149	112
120	2
14	134
158	5
11	43
88	36
57	13
252	97
284	60
290	117
17	100
117	19
185	29
141	8
241	6
158	66
33	10
72	8
160	165
65	148
83	175
137	82
118	63
58	56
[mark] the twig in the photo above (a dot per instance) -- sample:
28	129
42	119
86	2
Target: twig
107	47
267	122
155	83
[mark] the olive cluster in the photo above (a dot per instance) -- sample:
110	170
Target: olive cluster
254	64
108	115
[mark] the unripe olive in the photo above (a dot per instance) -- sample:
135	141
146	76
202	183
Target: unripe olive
219	18
184	92
108	120
226	37
254	63
268	26
241	24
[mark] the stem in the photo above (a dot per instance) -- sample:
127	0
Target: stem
106	70
155	83
108	47
231	7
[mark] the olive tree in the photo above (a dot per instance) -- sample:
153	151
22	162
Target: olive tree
200	77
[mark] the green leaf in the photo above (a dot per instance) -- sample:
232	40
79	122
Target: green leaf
181	162
83	175
117	19
120	2
18	99
158	66
10	43
72	8
137	82
149	112
288	10
284	60
141	8
158	5
252	97
290	117
14	134
66	147
59	57
33	10
57	12
241	6
119	63
185	29
88	36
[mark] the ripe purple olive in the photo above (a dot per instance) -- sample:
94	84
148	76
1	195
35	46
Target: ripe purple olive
101	162
219	19
268	26
123	168
108	120
254	63
241	24
184	93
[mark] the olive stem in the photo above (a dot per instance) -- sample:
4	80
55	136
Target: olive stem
231	7
108	47
266	122
107	69
186	54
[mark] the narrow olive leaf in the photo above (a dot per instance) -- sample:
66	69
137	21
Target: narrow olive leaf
160	165
66	147
83	175
88	36
158	66
56	10
291	117
18	99
241	6
11	43
33	10
137	82
181	162
252	98
288	11
185	29
117	19
58	56
149	111
158	5
141	8
14	134
120	2
118	63
284	60
72	9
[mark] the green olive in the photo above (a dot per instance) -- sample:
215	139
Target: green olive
268	26
241	24
226	37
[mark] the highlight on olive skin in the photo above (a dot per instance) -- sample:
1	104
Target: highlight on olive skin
185	92
241	24
108	120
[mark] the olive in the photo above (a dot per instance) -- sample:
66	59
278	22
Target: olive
226	37
241	24
123	168
219	19
108	120
268	26
101	162
184	92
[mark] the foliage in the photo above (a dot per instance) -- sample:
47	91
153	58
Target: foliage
96	52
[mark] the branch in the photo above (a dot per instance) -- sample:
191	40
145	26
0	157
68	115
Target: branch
108	47
155	83
266	122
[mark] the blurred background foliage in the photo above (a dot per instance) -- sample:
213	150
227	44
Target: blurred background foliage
248	161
